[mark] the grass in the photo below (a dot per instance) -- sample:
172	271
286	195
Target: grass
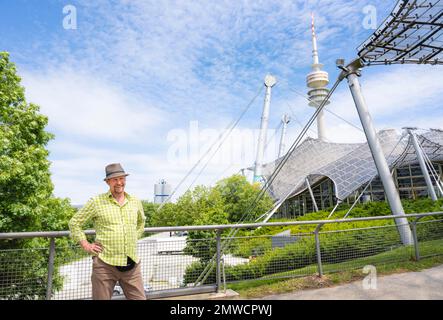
395	261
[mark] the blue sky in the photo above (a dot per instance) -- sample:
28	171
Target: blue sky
128	83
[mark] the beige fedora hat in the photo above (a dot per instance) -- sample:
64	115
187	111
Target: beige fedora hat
114	170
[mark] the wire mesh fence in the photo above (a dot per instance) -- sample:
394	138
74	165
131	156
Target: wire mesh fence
353	249
175	260
23	273
429	238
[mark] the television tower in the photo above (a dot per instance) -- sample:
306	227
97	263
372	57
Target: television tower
317	80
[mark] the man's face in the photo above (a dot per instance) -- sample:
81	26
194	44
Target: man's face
117	184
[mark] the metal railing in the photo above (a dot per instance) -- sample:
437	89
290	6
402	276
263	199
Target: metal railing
172	263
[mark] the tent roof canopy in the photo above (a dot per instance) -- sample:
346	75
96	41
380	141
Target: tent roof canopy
412	33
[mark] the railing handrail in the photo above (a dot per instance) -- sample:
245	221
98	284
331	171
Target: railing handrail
61	234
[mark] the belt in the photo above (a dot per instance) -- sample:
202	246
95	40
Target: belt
129	266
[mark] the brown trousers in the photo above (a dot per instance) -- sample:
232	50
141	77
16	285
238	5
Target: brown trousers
104	277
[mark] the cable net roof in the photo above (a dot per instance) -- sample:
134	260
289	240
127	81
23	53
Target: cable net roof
431	142
309	157
412	33
349	166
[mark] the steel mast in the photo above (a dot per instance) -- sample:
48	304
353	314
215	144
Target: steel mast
270	81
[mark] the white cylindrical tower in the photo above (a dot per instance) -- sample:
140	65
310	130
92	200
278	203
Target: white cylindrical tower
162	190
285	120
317	80
270	81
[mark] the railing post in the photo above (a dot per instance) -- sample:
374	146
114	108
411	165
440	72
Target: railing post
50	268
224	275
218	273
317	249
415	237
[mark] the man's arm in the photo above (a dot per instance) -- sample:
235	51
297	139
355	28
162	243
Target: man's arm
140	220
75	226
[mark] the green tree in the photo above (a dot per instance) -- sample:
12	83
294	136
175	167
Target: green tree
193	207
227	202
26	201
231	200
241	199
149	208
209	209
164	217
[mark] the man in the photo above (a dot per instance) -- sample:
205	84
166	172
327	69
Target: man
119	222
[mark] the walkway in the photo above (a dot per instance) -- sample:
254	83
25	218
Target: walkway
424	285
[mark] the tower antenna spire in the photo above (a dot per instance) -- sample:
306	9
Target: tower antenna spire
314	42
317	80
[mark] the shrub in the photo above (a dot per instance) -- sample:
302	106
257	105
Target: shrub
371	238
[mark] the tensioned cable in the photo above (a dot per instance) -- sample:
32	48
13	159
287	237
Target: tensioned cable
220	176
270	139
294	115
429	164
394	167
297	120
268	215
435	175
288	194
297	141
229	129
276	130
225	137
271	180
275	173
327	110
222	142
372	179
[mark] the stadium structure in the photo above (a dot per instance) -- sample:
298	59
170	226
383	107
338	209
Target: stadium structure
319	175
339	172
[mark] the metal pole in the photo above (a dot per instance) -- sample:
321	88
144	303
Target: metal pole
335	208
317	249
285	120
224	275
435	175
321	127
270	81
218	273
50	269
352	73
277	205
312	195
423	166
414	234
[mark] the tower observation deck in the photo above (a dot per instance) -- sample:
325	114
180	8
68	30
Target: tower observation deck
317	80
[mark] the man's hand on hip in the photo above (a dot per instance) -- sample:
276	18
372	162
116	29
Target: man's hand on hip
92	248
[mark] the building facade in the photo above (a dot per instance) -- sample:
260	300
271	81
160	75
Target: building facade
409	181
340	172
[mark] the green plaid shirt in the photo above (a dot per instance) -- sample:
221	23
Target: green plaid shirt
117	227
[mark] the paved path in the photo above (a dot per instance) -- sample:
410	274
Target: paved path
423	285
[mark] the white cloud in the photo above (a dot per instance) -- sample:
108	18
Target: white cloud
80	175
79	104
396	97
143	68
393	92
